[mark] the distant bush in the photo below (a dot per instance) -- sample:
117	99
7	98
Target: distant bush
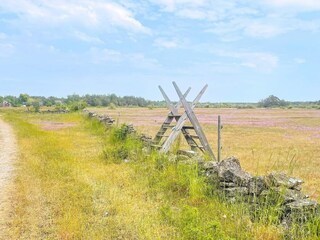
245	107
36	106
112	106
60	107
272	101
76	106
123	145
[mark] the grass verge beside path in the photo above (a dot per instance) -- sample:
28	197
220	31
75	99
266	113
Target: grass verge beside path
64	189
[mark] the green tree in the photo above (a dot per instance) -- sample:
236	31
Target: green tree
36	106
23	98
272	101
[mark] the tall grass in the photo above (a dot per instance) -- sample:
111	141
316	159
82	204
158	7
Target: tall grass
92	182
193	205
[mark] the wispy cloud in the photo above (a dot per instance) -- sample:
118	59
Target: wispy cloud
99	14
87	38
136	60
257	60
99	56
312	5
172	5
256	19
6	48
166	43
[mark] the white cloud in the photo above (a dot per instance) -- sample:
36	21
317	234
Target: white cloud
260	29
85	13
237	19
137	60
105	55
305	4
122	17
87	38
257	60
172	5
192	13
6	49
165	43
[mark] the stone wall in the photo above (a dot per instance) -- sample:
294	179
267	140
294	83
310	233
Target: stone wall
109	121
238	185
105	119
274	188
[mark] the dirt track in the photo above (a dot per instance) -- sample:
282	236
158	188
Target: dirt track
7	156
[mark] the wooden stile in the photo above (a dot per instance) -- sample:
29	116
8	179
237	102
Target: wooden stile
188	114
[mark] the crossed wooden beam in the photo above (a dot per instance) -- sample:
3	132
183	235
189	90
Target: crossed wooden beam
192	139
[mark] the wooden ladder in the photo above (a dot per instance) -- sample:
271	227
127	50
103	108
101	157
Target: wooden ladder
197	140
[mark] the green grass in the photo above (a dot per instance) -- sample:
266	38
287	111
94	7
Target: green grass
286	140
89	182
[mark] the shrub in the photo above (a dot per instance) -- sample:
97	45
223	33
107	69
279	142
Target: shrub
272	101
112	106
76	106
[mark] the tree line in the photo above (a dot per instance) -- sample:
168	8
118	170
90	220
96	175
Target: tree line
88	100
76	102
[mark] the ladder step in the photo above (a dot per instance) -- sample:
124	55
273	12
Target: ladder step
192	145
160	135
194	136
175	115
168	126
156	146
188	127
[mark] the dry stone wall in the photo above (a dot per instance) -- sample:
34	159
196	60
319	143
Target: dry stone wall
108	121
238	185
277	188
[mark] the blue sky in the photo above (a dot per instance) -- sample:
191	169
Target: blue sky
244	50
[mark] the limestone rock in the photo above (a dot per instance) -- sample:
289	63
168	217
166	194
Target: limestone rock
302	205
210	165
227	184
230	171
236	191
256	185
281	179
291	195
299	210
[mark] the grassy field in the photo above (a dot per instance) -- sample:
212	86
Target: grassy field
72	184
263	139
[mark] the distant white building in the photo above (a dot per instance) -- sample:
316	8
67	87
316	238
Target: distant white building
5	104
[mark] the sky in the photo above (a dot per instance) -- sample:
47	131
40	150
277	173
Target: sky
244	50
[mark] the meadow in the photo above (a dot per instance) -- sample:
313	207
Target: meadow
71	181
264	140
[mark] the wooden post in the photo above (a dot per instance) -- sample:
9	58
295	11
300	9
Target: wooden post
193	119
219	138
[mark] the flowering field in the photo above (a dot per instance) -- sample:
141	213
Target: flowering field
264	140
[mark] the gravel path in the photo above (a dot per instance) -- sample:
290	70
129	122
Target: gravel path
7	157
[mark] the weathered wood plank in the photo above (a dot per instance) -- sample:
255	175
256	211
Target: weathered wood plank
173	114
193	119
176	130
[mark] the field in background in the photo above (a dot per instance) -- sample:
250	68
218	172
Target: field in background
263	139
